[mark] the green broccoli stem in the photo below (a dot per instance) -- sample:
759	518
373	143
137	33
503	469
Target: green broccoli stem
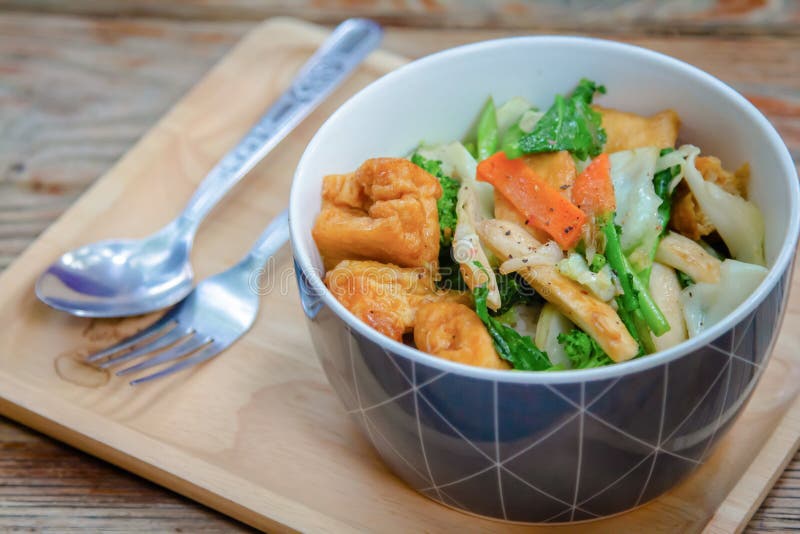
652	313
627	320
636	325
635	297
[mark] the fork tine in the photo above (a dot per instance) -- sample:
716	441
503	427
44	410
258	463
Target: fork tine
176	334
184	348
154	328
201	356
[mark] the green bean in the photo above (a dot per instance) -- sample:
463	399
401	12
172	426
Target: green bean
487	131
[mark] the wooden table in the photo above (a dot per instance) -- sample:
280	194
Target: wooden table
81	81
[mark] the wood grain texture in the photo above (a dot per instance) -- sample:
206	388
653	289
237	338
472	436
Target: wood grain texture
75	96
109	83
614	16
46	485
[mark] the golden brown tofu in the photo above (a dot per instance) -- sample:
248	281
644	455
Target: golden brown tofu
626	131
734	183
555	168
386	297
687	218
595	317
454	332
385	211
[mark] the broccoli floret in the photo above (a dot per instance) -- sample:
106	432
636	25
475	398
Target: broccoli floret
446	205
598	262
582	350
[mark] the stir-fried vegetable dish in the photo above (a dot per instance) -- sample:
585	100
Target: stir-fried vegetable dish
566	238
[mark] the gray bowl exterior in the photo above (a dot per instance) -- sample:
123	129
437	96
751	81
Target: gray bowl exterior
545	453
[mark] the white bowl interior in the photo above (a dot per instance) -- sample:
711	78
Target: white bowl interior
437	98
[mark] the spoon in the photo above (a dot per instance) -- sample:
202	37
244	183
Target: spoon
122	277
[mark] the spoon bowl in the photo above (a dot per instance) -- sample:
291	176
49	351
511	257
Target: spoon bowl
121	277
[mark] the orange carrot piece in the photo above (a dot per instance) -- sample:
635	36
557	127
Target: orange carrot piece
541	204
593	191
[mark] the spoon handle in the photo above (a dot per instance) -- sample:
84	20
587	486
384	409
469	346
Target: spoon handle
344	50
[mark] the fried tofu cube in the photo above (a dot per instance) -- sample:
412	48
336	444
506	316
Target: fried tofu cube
385	296
734	183
454	332
687	218
626	131
384	211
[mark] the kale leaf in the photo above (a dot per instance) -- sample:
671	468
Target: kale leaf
570	124
450	277
513	290
518	350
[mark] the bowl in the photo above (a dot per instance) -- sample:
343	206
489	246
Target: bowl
558	446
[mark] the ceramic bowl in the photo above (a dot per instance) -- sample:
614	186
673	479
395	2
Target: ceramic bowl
557	446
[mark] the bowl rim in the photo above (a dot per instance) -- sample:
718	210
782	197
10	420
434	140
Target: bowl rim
783	261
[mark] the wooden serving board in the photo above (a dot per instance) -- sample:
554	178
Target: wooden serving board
257	433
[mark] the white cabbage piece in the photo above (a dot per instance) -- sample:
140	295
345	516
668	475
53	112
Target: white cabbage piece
552	323
637	202
671	160
467	247
601	283
517	110
459	164
704	305
509	113
738	221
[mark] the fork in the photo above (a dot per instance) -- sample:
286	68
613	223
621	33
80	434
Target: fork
211	318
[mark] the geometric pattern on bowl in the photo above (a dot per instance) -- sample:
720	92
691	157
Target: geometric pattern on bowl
547	453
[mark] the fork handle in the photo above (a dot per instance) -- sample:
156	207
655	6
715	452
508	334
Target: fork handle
346	47
274	236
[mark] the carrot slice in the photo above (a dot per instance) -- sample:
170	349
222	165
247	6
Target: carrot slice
593	191
541	204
